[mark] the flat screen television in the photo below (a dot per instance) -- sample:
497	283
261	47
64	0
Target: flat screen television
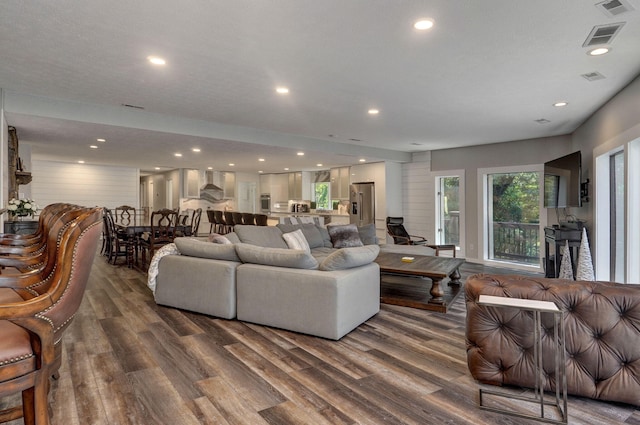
562	178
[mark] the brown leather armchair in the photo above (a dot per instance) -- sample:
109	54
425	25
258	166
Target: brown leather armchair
602	328
32	323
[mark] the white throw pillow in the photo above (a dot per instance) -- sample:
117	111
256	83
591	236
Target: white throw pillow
296	240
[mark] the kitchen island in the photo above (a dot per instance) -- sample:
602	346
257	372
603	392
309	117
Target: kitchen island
324	217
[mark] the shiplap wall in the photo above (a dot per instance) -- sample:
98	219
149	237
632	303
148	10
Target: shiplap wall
418	198
83	184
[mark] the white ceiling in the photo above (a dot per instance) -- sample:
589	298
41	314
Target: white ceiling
484	74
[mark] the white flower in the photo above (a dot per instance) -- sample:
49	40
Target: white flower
12	207
27	206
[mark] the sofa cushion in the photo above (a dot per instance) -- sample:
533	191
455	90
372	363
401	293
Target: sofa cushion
217	238
310	231
232	237
347	258
344	235
368	234
266	236
296	240
202	249
279	257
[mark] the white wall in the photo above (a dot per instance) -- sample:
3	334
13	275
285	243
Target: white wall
84	184
418	197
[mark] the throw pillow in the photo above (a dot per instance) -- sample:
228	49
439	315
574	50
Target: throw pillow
216	238
348	258
201	249
368	234
296	240
267	236
344	236
279	257
310	232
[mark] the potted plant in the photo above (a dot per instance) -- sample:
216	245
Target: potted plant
21	208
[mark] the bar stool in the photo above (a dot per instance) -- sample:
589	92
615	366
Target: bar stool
248	218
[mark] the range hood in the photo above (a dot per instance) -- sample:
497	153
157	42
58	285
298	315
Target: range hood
210	192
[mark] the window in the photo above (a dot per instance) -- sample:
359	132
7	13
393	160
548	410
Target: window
322	195
448	224
511	208
617	227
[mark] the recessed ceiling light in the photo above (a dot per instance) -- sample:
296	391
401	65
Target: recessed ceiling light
101	140
209	168
300	154
260	171
81	162
423	24
231	164
93	147
156	60
196	149
177	154
374	111
319	165
157	168
261	159
282	90
362	160
286	169
599	51
559	104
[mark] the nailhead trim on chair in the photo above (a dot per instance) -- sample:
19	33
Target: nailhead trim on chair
15	359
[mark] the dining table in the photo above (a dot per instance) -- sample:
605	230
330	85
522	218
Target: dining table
135	232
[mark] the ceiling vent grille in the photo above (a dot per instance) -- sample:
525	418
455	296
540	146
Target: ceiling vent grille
602	34
613	8
593	76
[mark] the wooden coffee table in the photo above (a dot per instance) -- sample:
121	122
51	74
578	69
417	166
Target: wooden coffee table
397	276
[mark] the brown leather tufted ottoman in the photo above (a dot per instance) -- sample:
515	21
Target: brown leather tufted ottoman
602	325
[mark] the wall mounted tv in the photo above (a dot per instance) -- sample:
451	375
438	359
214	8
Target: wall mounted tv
562	178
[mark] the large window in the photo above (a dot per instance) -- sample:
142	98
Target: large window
511	233
322	195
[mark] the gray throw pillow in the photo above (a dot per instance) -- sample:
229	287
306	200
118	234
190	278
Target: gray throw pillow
202	249
279	257
348	258
368	234
266	236
310	232
344	236
326	239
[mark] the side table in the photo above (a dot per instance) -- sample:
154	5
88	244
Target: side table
560	403
21	227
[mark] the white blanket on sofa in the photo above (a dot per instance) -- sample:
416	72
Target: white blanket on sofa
169	249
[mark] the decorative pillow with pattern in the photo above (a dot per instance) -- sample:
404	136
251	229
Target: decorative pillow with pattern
344	236
296	240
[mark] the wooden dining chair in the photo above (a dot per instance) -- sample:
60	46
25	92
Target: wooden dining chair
163	232
32	323
125	215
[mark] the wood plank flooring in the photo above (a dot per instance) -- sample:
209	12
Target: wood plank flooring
128	361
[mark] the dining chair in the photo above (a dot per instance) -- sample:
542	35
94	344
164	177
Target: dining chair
120	244
163	232
125	215
32	323
195	221
237	218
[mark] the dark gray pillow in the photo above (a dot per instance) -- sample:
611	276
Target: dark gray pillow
348	258
368	234
310	232
326	239
291	258
344	236
202	249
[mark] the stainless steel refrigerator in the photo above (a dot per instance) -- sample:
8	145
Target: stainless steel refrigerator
362	199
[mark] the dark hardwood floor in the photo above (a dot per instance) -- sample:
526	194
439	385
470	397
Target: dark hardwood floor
129	361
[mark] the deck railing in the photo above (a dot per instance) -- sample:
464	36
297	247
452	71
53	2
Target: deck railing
517	242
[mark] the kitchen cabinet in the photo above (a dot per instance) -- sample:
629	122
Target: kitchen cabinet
340	182
228	184
295	185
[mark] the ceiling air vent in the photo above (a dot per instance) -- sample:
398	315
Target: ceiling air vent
543	121
614	8
602	34
593	76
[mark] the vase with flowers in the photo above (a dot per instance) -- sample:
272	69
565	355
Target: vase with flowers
19	208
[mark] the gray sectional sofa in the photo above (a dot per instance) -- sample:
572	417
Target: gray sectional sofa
256	277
